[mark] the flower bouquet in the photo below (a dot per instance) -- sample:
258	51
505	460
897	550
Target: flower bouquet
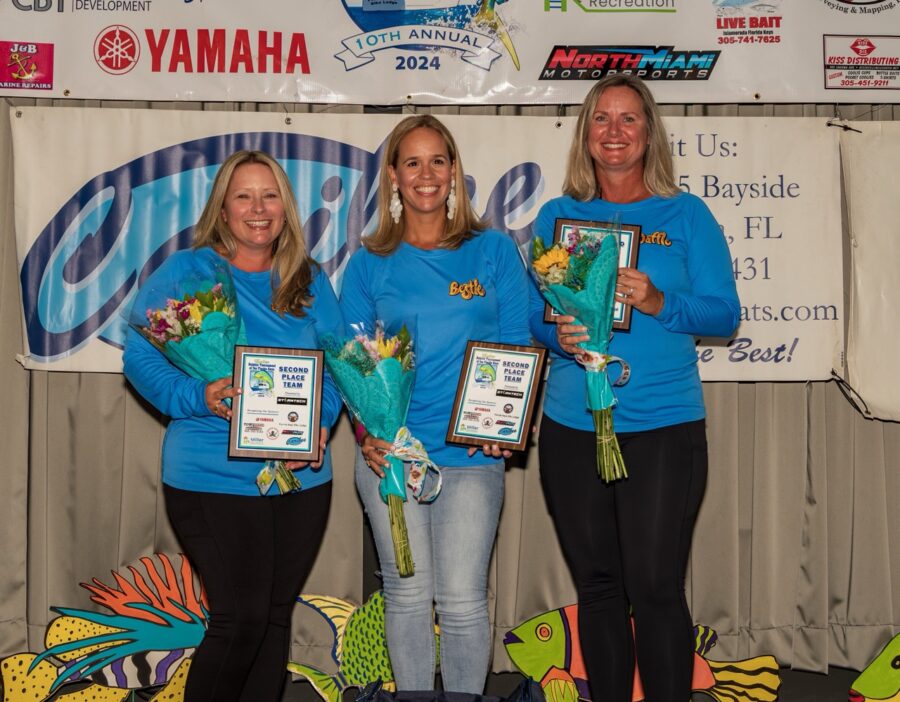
196	327
375	376
197	330
578	278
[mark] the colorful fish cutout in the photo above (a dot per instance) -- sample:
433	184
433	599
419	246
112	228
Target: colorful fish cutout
360	648
546	648
880	680
146	642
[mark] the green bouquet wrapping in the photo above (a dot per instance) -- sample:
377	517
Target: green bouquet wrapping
375	376
578	278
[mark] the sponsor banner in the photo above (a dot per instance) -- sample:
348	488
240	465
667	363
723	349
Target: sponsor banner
136	181
862	63
870	155
436	51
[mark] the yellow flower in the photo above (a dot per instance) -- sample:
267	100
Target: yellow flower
194	309
554	256
386	347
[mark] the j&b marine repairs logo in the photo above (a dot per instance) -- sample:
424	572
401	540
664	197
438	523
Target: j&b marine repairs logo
26	65
424	29
647	62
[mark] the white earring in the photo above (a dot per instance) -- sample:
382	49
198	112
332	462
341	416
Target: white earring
396	207
451	201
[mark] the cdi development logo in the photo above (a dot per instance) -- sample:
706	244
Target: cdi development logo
647	62
472	29
82	269
39	5
26	65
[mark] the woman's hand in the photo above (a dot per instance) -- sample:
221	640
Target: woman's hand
491	450
373	451
570	335
323	439
636	289
215	394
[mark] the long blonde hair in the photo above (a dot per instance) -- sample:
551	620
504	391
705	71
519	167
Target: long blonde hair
659	169
292	269
388	235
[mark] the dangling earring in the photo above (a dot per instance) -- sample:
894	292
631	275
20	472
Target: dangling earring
451	201
396	207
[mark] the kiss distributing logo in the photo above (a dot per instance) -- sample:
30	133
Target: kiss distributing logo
471	28
862	46
26	65
82	269
117	49
647	62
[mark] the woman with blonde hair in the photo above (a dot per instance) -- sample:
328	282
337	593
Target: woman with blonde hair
432	264
252	552
627	542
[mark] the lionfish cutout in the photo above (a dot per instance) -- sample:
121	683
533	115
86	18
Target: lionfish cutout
156	623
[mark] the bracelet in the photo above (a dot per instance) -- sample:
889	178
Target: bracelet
359	431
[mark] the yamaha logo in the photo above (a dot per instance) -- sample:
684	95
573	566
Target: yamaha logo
117	49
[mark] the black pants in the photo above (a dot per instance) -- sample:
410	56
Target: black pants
253	555
628	543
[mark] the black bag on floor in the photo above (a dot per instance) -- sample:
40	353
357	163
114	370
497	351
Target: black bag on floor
527	691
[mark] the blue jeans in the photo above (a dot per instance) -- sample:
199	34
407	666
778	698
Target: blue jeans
451	541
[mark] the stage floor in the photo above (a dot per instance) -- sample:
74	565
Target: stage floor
796	686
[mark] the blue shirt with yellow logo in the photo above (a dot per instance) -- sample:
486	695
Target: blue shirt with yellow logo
445	297
684	253
195	449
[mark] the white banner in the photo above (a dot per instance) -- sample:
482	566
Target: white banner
134	183
450	51
870	156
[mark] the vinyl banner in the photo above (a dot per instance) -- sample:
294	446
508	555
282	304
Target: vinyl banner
449	51
102	196
870	154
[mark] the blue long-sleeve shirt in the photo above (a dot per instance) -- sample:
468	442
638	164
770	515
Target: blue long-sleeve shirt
447	297
195	449
684	253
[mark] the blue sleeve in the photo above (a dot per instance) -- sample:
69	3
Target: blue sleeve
513	288
712	307
171	391
328	319
357	303
543	332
